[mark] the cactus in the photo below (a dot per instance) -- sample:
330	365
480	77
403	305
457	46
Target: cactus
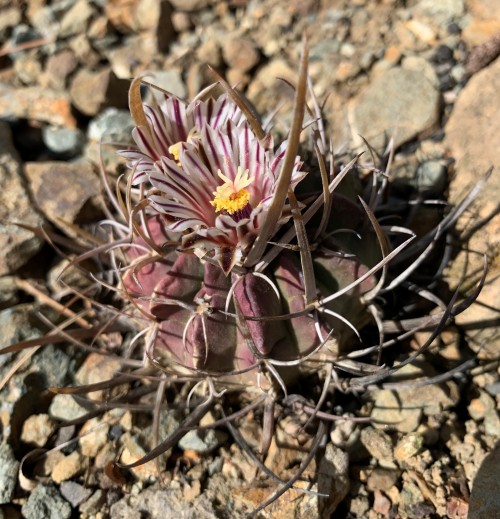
232	268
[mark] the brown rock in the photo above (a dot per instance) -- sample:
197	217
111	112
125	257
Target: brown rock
143	15
17	245
134	452
93	436
84	51
121	14
39	104
63	191
67	467
93	91
473	138
37	429
408	446
381	504
11	16
240	53
59	66
75	20
382	479
484	22
377	443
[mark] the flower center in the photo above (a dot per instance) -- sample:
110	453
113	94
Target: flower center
232	197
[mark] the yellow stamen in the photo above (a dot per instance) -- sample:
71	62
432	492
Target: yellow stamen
175	150
232	195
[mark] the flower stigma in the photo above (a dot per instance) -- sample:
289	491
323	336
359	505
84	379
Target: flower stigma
232	198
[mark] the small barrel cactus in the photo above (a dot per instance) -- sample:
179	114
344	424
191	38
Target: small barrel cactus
239	263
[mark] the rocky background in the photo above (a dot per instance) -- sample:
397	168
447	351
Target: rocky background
424	72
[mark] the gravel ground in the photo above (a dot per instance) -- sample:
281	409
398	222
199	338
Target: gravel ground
423	72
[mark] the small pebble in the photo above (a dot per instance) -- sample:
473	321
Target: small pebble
408	446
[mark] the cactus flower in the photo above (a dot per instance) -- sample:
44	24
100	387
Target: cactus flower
209	175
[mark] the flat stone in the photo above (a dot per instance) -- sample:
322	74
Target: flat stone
399	103
46	501
74	492
156	16
17	245
36	103
64	407
9	468
473	139
107	90
62	190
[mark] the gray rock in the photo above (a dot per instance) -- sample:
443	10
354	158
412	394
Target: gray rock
74	493
9	467
203	441
112	125
63	142
431	177
8	291
440	12
333	479
64	407
17	245
47	502
15	326
485	497
402	408
94	503
171	81
492	423
399	103
53	364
